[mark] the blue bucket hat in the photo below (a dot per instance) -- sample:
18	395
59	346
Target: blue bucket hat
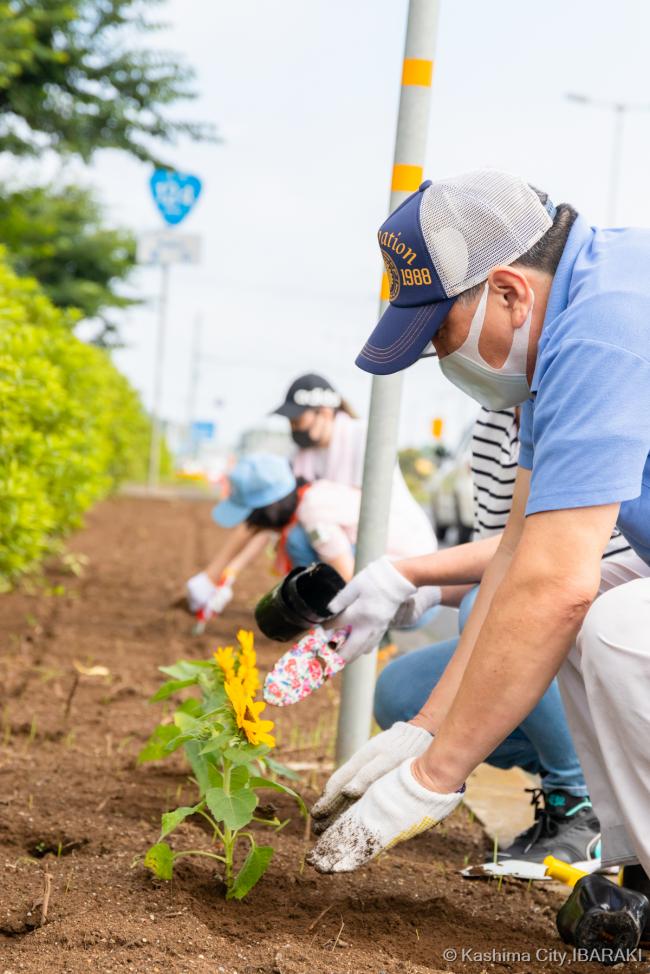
258	479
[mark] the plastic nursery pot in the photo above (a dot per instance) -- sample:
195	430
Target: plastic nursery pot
299	602
603	917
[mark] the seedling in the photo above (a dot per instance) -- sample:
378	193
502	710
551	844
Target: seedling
227	743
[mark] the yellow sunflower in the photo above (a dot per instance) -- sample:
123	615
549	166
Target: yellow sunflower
246	640
249	677
238	698
225	657
247	713
257	731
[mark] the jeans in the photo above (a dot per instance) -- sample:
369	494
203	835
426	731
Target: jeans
541	744
299	549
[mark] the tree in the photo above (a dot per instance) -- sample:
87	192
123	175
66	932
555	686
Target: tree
70	82
57	236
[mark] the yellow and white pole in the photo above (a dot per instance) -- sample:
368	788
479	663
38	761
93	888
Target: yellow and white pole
355	715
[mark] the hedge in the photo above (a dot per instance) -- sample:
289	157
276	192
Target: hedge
71	426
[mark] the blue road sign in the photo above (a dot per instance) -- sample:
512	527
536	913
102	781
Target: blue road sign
202	430
174	193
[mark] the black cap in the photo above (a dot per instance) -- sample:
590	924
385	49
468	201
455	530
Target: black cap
309	391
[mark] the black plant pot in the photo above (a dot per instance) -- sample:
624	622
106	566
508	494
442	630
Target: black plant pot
602	918
299	602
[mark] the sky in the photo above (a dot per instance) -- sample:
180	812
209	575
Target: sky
304	95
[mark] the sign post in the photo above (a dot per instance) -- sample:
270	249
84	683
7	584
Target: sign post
175	195
355	714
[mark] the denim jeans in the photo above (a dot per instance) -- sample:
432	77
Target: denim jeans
541	744
299	549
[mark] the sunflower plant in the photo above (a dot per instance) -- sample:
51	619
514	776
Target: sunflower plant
227	743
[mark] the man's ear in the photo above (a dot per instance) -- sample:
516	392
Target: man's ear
512	291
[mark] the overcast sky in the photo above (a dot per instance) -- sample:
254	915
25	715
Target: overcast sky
304	94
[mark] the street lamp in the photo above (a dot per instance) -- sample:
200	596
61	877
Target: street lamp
619	108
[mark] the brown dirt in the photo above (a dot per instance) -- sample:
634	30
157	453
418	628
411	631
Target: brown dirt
74	805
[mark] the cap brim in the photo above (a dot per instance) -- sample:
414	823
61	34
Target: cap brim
289	409
227	514
400	337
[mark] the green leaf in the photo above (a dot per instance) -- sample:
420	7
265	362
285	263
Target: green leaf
246	753
170	687
187	723
239	777
216	744
190	706
257	782
171	820
185	669
235	810
160	860
251	872
207	776
160	744
281	769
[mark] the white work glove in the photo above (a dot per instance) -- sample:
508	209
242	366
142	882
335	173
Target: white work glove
202	593
393	809
379	755
415	606
200	589
367	604
223	594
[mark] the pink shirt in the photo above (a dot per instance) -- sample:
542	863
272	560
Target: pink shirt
341	461
329	513
330	510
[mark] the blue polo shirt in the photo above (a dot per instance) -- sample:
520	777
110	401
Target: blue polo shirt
585	431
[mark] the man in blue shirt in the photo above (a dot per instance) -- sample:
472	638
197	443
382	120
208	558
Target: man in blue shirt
524	304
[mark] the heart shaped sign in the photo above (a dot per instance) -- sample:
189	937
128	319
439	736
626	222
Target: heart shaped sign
174	193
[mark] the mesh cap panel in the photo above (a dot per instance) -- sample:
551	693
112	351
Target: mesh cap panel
475	221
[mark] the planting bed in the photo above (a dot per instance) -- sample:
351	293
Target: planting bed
75	809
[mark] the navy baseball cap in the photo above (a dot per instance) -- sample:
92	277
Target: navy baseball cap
441	241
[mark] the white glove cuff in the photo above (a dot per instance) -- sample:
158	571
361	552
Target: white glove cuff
444	802
429	596
389	581
414	740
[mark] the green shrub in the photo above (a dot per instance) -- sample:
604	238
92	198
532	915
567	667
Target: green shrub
72	427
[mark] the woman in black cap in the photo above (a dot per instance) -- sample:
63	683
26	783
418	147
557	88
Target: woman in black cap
329	435
331	442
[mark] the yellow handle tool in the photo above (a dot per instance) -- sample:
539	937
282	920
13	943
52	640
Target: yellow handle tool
562	871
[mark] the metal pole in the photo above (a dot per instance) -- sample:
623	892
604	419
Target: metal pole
619	112
195	362
355	714
156	419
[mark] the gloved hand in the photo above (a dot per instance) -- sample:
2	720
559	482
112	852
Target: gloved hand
379	755
223	594
413	608
367	604
396	807
200	589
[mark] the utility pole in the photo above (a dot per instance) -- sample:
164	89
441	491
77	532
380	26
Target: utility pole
619	108
355	715
156	418
195	371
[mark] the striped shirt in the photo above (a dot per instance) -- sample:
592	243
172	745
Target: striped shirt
495	453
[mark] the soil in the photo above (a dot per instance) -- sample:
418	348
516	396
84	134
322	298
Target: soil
75	809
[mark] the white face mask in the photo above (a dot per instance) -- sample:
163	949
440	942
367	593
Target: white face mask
491	387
